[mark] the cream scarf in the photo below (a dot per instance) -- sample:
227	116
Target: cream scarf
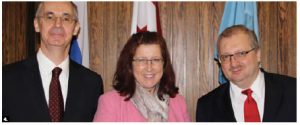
149	105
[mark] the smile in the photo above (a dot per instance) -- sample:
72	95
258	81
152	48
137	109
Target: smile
149	75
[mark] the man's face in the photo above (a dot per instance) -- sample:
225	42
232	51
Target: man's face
241	69
56	23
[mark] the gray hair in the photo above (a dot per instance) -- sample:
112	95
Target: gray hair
41	4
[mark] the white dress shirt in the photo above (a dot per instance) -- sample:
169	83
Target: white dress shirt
46	66
238	99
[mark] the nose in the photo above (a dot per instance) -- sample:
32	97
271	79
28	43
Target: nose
149	65
58	22
233	61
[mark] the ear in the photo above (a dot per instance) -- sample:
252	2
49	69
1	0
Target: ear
76	29
258	54
36	25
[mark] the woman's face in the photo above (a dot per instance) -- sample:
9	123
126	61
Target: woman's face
148	66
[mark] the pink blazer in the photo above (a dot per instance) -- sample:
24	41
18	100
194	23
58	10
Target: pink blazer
113	108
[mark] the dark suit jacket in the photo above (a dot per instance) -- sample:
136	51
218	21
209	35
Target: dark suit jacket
23	98
280	102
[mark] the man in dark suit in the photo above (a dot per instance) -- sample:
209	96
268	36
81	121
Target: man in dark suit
251	95
50	86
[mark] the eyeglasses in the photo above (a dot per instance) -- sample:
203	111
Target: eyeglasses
51	18
144	61
237	56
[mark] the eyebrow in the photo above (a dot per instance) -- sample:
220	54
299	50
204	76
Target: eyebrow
52	13
49	13
66	14
155	57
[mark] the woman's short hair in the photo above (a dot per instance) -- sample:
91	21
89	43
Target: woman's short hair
124	81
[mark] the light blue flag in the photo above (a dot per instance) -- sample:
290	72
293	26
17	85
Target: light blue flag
235	13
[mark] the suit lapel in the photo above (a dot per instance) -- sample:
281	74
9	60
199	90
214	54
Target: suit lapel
75	95
273	98
225	106
36	88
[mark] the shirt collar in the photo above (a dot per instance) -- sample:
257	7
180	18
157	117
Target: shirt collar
258	88
47	65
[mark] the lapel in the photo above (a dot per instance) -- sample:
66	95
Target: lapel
273	98
74	96
36	88
225	106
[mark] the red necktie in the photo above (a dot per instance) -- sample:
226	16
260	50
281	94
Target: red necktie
251	113
56	104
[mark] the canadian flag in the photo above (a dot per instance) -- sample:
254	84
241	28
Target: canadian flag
145	17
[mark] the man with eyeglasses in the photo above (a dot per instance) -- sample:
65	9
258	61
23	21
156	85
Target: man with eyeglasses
252	94
50	87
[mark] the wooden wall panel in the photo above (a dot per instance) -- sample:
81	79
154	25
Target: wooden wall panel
96	23
110	25
193	57
190	30
287	51
277	25
14	32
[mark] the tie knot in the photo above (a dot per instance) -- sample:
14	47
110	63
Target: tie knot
56	71
247	92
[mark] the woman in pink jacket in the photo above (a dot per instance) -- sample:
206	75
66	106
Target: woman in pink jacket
144	84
